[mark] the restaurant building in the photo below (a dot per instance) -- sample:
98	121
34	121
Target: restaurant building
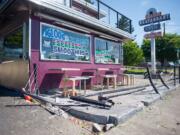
58	38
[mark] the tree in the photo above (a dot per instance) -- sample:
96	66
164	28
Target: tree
166	48
124	24
146	49
89	1
133	55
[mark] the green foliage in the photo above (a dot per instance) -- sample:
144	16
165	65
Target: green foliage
166	48
135	71
124	24
14	40
89	1
146	49
133	55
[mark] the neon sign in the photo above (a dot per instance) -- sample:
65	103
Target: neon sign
61	44
154	19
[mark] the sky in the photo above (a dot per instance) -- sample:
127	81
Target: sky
136	10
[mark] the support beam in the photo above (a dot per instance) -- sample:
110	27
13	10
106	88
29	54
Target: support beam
24	40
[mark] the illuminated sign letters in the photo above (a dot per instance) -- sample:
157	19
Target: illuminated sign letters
154	19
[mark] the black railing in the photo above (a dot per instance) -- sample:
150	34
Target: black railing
105	13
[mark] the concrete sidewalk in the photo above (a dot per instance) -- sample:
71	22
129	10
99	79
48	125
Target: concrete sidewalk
125	106
161	118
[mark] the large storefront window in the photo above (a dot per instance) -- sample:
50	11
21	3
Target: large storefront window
108	52
61	44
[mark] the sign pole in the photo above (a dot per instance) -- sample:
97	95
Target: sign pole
153	55
153	19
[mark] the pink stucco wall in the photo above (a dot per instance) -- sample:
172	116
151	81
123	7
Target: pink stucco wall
53	79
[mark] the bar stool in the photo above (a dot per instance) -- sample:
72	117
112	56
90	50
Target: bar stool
131	77
108	77
128	79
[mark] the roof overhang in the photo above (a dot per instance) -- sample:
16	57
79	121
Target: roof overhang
12	15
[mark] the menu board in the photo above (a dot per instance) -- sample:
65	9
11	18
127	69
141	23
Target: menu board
62	44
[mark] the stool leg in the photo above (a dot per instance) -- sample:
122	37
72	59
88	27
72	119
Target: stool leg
84	86
101	79
74	87
91	82
123	80
127	80
108	83
115	83
80	85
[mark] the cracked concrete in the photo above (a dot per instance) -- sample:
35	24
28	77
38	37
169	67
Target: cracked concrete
125	106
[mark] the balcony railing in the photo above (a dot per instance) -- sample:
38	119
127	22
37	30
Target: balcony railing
96	9
102	12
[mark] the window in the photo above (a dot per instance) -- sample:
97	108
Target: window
13	45
108	52
61	44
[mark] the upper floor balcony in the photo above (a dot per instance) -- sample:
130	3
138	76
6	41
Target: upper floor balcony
100	11
103	12
92	13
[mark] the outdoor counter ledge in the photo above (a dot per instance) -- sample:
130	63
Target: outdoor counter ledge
65	69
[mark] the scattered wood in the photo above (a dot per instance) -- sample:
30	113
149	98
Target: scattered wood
96	128
108	127
56	110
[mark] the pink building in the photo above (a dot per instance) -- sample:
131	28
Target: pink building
48	35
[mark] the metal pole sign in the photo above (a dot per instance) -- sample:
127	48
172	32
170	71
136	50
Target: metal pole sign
152	27
153	18
153	35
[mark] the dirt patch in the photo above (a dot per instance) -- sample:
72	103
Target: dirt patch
34	120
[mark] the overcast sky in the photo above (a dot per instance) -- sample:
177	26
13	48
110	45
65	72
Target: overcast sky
136	10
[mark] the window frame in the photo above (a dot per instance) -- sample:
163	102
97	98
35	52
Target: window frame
9	33
120	44
63	60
